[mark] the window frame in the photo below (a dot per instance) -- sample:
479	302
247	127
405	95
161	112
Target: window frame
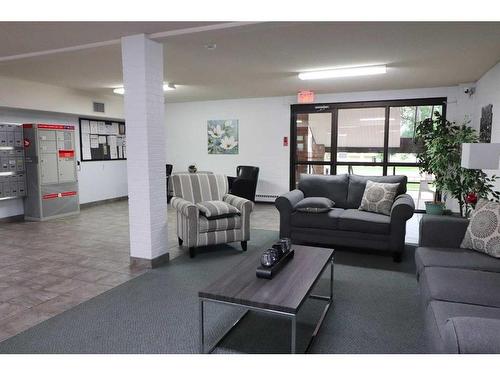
333	108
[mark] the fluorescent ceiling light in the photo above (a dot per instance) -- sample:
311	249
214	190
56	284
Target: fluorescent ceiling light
344	72
166	87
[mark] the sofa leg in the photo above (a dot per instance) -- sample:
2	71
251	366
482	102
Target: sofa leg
192	252
397	257
244	245
180	241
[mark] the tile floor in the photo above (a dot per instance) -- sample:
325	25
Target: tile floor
47	268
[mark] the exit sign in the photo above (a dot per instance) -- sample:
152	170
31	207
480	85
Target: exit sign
305	97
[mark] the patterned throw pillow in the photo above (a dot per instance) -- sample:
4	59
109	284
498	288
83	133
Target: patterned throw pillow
483	232
378	197
217	209
314	205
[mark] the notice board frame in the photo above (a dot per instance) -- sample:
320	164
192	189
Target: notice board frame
107	122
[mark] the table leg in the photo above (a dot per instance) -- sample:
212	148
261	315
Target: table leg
202	333
294	334
331	280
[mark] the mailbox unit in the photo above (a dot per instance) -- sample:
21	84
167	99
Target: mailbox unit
12	174
50	162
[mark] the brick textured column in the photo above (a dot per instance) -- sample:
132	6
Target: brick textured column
142	61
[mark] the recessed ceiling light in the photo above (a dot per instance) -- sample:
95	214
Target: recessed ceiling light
166	87
344	72
211	46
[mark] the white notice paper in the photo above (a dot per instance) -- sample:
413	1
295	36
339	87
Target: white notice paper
86	154
113	150
102	139
101	128
120	152
115	128
94	141
93	127
85	126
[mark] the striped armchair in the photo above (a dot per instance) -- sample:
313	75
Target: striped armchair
195	230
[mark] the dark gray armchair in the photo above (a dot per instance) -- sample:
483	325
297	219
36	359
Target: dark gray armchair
345	225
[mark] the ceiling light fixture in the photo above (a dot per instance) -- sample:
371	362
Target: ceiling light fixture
344	72
166	87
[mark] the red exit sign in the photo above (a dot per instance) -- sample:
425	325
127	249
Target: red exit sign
305	97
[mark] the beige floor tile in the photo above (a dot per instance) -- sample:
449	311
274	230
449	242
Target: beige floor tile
8	309
33	298
24	320
67	285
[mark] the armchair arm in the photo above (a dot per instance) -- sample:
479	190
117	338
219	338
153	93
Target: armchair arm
402	208
245	206
472	335
442	231
186	208
241	204
285	205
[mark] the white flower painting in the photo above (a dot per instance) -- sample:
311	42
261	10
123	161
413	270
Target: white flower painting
223	137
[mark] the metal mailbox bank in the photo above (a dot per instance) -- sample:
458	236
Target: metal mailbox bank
51	177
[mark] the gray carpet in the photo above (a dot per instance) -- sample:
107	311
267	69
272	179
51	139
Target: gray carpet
376	311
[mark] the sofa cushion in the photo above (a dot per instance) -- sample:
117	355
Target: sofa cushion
326	220
362	221
357	186
378	197
217	209
332	187
212	225
454	257
439	312
461	286
314	205
483	232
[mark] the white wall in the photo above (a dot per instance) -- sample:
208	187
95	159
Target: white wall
97	180
16	93
263	122
488	92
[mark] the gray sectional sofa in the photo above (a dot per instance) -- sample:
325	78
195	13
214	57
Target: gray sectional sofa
460	289
345	225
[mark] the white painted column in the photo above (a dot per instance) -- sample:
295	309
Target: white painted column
142	61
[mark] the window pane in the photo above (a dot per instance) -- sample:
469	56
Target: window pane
402	121
314	136
418	184
360	135
402	146
362	170
310	169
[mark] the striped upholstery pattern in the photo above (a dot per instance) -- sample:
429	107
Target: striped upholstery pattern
225	223
200	187
213	209
196	230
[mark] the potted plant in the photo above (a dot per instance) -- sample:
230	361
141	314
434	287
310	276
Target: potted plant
441	145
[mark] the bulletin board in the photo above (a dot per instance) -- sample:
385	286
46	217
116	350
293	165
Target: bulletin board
102	140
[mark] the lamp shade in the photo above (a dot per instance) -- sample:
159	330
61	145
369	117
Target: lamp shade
480	155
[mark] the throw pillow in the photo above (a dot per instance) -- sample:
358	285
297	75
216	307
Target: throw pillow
483	232
217	209
378	197
314	205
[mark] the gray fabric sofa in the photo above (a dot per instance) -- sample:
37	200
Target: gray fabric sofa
459	288
345	225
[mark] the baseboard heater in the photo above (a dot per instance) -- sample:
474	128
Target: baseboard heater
266	197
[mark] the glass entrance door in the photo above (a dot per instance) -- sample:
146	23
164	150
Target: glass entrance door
312	143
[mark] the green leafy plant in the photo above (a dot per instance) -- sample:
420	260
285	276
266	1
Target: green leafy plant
441	143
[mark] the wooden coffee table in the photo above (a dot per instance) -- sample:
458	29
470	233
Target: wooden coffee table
284	295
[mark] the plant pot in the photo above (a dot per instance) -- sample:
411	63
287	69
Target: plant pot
434	208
